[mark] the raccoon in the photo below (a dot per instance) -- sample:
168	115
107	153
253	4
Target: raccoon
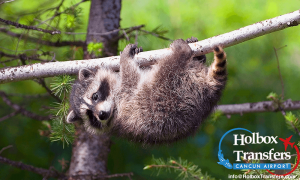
160	104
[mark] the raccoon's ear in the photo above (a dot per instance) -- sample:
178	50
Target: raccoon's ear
85	74
72	117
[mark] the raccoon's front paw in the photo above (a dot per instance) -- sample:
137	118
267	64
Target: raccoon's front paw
130	50
191	40
180	46
201	58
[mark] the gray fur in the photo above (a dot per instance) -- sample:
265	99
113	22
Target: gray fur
158	105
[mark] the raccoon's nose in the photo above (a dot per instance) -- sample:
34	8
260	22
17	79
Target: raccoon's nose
103	115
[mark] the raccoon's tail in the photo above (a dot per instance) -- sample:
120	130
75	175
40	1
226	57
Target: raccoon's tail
218	68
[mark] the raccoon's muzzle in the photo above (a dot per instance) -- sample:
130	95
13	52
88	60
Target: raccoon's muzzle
93	120
103	115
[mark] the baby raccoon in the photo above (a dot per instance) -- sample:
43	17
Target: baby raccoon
155	105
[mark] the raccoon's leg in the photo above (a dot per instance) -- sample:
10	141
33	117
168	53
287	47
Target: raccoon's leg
129	69
177	61
217	74
202	58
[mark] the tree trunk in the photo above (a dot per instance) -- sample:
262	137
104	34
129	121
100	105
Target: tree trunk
90	152
104	17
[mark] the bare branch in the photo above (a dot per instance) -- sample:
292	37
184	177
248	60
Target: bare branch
278	66
43	83
41	171
128	31
45	95
9	116
6	2
23	56
23	111
127	38
5	148
264	106
156	35
95	176
59	13
18	25
51	172
43	42
148	58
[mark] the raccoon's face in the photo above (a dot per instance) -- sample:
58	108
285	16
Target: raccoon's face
93	100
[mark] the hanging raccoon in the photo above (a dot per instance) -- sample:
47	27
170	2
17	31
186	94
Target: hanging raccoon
159	104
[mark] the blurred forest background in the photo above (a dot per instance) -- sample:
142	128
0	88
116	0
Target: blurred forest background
252	70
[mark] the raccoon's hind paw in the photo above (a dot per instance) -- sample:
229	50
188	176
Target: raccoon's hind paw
201	58
180	46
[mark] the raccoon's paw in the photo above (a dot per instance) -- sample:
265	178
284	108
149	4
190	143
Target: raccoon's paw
130	50
180	46
191	40
201	58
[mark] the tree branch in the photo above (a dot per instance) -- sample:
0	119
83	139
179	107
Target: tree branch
7	147
6	2
43	83
264	106
23	56
9	115
40	70
95	176
21	110
51	172
43	42
18	25
41	171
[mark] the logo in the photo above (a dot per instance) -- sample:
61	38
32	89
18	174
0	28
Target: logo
254	138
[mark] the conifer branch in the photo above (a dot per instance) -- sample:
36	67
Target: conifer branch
40	70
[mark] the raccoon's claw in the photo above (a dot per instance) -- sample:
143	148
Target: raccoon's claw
138	50
131	50
191	40
201	58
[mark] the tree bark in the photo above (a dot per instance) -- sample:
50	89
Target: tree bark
104	17
90	152
264	106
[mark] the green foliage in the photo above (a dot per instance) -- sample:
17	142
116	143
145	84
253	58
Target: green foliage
186	170
61	84
95	48
273	96
292	122
215	116
290	117
61	131
70	21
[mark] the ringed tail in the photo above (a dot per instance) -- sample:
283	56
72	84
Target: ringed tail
218	67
